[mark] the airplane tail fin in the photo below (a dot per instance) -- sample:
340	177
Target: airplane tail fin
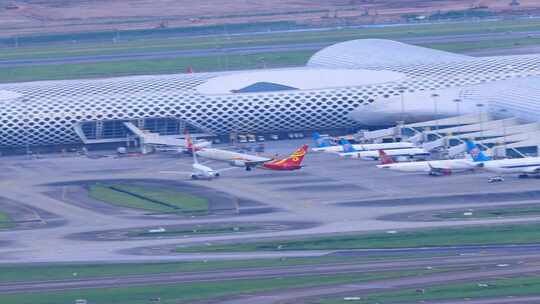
343	141
347	147
188	141
295	159
320	141
385	158
474	151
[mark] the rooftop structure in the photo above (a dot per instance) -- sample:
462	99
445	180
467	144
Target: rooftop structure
350	84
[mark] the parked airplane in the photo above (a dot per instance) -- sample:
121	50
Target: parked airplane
433	167
324	145
293	162
407	153
523	166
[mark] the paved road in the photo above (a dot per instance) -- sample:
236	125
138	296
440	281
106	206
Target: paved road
280	48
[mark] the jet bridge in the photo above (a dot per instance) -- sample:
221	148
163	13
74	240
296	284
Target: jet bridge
150	131
414	131
447	135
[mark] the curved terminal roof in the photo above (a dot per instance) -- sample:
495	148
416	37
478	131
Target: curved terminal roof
295	79
9	95
378	53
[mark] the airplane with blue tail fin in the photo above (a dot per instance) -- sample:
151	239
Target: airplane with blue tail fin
324	144
525	167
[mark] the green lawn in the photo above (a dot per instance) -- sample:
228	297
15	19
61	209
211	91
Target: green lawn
174	293
475	235
155	66
522	286
507	211
148	198
5	221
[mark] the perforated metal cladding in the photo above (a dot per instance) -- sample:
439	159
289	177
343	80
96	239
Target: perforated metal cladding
48	111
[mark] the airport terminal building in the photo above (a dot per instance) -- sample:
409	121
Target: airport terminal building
347	85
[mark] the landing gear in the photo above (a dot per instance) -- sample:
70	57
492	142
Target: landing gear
523	176
248	168
496	179
194	177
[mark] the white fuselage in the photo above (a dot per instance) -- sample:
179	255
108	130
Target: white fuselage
427	166
412	152
230	156
329	149
367	147
203	172
528	165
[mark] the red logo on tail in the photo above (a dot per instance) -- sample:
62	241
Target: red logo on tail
293	162
385	158
190	147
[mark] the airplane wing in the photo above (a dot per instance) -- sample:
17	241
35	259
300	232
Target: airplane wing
439	170
176	172
226	169
532	170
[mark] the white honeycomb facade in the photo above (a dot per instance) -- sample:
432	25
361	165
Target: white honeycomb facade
46	112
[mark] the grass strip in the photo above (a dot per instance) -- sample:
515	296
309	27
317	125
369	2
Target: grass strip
494	288
173	42
173	293
5	221
196	230
507	211
448	236
153	66
18	273
171	198
145	198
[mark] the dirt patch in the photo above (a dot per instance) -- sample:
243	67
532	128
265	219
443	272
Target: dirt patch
61	16
27	217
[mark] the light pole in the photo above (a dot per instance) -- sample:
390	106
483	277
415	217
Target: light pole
458	112
457	101
401	90
504	117
436	110
480	107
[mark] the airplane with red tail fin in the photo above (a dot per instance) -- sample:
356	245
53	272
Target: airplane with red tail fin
189	146
433	167
293	162
385	158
